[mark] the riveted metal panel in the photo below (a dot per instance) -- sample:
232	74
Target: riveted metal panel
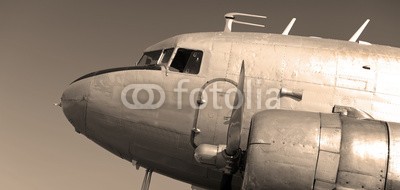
330	121
265	173
283	150
320	185
330	139
327	167
364	153
393	175
329	154
349	180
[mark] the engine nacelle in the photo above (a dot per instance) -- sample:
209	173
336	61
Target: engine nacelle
304	150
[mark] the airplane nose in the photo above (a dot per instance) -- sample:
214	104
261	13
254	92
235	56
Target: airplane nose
74	103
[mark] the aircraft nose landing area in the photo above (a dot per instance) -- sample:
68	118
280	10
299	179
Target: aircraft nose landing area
74	103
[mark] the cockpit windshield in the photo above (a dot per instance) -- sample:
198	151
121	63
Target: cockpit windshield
184	61
158	57
149	58
166	56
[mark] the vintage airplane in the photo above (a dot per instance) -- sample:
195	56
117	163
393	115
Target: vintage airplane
235	110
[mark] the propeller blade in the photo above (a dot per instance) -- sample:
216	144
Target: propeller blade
235	125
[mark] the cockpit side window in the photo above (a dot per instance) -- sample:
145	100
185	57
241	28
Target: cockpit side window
166	56
149	58
187	61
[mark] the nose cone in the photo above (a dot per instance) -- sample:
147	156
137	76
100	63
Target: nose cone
74	103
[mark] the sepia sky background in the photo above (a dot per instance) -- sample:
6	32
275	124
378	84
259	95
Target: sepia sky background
44	45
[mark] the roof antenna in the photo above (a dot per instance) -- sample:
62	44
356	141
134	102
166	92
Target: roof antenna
230	18
289	27
356	35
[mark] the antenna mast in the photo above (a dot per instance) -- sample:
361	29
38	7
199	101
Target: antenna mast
356	35
230	19
289	27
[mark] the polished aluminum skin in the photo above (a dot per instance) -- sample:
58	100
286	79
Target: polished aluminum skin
306	150
313	76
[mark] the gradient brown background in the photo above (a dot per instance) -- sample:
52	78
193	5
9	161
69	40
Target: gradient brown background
44	45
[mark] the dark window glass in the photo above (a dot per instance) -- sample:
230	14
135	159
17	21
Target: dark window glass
149	58
187	61
167	53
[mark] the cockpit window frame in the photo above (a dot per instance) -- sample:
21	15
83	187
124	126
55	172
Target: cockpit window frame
167	65
174	55
160	57
163	55
144	54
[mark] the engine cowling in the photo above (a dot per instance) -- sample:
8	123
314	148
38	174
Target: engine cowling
305	150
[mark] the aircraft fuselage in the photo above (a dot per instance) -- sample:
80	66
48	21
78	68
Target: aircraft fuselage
325	72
